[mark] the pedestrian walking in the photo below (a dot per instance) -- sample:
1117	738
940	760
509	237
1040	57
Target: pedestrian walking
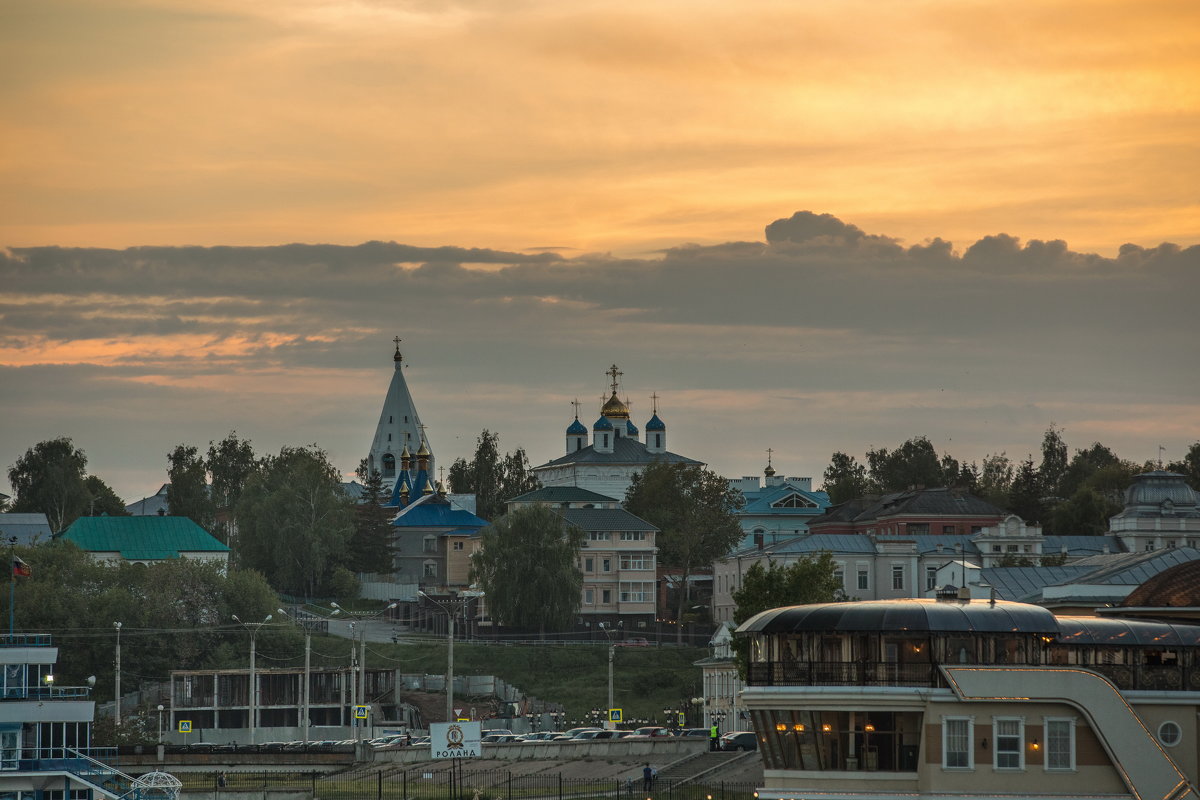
713	734
647	777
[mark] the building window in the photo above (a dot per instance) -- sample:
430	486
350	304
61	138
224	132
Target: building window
633	536
636	561
458	545
605	440
606	565
589	596
637	591
918	527
839	575
931	577
956	743
1060	743
589	565
976	529
389	465
658	440
897	576
606	596
430	544
949	529
429	569
1169	733
1008	733
996	548
794	501
1012	548
864	579
597	536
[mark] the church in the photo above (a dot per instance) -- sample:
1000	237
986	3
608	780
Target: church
616	452
400	437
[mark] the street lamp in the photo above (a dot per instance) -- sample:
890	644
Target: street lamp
359	692
117	689
253	628
160	710
304	689
612	635
452	608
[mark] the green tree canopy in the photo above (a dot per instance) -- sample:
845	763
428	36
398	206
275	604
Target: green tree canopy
693	509
914	463
492	478
103	499
1054	461
187	491
845	479
371	548
526	567
50	478
1189	465
294	521
811	579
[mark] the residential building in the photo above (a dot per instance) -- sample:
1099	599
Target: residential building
616	452
432	542
153	506
721	686
777	508
618	558
916	512
27	529
145	540
971	699
1160	512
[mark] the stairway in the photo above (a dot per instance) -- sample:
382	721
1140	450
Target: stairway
699	765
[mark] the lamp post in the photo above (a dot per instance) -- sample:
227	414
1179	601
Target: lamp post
612	634
451	608
253	628
160	710
305	689
360	678
12	584
117	688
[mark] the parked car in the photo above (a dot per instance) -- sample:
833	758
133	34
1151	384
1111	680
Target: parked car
574	732
692	733
652	732
499	738
738	740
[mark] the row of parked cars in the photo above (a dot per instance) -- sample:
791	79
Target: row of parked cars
734	740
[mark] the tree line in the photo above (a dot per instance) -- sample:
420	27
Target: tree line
1066	493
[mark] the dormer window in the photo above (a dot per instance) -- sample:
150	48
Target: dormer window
794	501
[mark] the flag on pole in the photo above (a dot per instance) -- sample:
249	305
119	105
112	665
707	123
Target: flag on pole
20	568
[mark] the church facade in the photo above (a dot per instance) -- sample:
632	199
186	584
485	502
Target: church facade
606	463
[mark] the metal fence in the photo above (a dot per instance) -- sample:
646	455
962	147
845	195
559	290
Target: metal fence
452	783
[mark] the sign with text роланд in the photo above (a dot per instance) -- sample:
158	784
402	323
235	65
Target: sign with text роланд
455	739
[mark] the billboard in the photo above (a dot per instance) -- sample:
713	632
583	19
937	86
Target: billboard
455	739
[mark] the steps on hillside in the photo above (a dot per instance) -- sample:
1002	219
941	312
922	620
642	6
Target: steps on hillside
694	766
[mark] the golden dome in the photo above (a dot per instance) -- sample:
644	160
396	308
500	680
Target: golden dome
424	451
615	408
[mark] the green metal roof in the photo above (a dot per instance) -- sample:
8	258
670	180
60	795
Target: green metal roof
142	538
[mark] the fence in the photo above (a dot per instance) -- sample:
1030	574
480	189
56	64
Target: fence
447	783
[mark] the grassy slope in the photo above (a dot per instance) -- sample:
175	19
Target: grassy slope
645	679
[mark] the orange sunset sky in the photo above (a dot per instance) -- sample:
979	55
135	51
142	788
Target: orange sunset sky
615	163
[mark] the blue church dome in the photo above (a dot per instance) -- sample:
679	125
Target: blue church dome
602	424
656	424
631	428
576	429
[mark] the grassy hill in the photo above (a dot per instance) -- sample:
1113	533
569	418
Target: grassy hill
646	680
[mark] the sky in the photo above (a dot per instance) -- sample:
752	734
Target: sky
806	226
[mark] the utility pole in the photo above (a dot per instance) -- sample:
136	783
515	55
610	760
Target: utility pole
117	689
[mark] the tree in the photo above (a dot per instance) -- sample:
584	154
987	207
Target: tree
914	463
811	579
294	521
1025	496
371	543
50	479
492	478
1189	465
103	499
1085	513
526	566
845	479
1054	461
693	509
996	479
231	463
187	490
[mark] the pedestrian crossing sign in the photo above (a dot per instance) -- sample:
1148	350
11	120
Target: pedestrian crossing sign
614	715
185	726
360	712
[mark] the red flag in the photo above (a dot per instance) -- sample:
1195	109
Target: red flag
20	568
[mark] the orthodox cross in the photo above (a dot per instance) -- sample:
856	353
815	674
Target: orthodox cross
654	403
614	373
397	340
769	452
575	403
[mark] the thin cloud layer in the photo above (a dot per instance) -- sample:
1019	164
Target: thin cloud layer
822	336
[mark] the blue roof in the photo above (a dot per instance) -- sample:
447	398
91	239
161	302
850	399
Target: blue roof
656	424
576	428
629	426
760	502
602	424
433	511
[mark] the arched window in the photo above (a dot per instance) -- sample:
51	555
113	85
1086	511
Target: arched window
389	465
